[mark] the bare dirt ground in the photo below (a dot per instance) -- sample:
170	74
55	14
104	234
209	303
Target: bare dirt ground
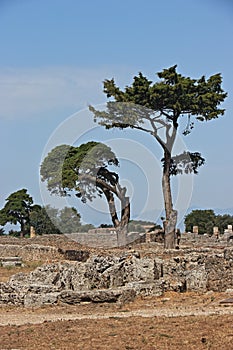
173	321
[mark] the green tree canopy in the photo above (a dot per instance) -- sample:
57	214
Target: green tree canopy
222	221
44	220
68	168
157	109
17	210
48	220
84	171
204	219
69	220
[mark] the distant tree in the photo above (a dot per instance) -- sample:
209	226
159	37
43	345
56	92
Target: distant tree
84	171
157	109
69	220
85	227
41	221
14	233
48	220
221	221
17	210
204	219
139	225
105	226
2	231
134	227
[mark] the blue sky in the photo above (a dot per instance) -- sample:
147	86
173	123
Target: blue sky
55	55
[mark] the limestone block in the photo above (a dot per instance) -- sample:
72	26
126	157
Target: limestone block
196	279
36	300
98	296
32	232
10	261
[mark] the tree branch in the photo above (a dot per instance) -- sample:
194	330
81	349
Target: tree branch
100	183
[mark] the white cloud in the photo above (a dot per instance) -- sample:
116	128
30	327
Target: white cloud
29	92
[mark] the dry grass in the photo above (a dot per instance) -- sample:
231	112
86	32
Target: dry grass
197	322
110	326
7	272
212	332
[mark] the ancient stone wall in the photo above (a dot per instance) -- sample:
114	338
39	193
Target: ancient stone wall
120	278
104	238
30	252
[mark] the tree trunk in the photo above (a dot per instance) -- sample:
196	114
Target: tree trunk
170	230
112	208
121	226
122	229
125	212
171	215
22	229
166	184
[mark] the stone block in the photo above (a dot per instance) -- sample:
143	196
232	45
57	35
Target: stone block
10	261
121	295
32	232
37	300
196	279
76	255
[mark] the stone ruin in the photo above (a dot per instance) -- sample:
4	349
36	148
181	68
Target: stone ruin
228	233
70	276
32	232
121	277
9	261
226	236
105	238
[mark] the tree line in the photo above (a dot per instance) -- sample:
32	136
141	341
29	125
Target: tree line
206	220
20	209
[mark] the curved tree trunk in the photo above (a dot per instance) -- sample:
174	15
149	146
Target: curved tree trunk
112	208
122	229
171	215
121	225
